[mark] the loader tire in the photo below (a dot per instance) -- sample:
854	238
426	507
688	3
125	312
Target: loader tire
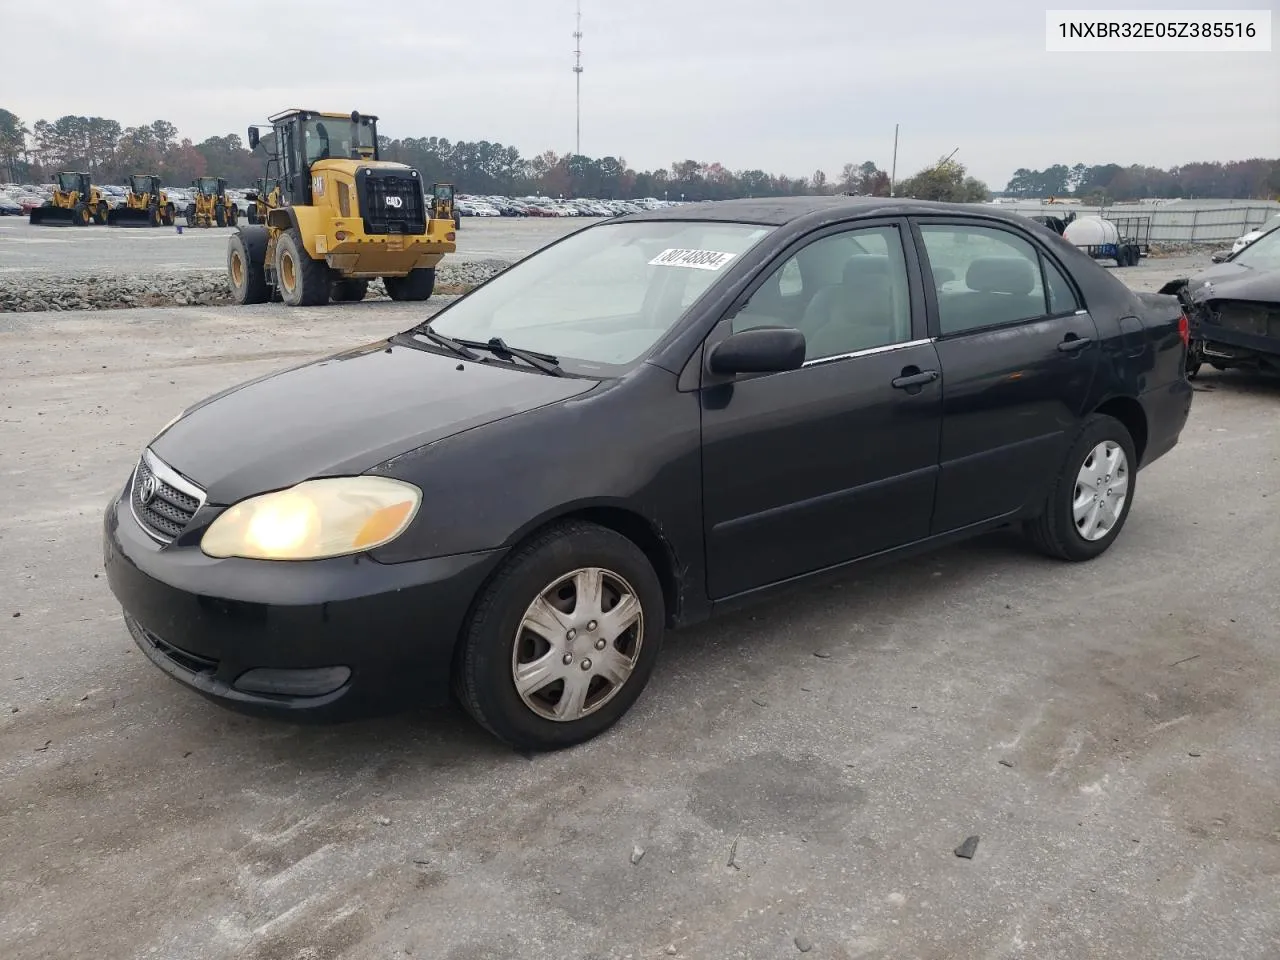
191	217
80	215
100	215
247	265
302	282
169	217
220	215
418	285
153	216
349	291
233	215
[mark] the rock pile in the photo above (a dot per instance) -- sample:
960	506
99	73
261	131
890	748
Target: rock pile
26	293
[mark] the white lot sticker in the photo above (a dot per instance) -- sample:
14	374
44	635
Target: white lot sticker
697	259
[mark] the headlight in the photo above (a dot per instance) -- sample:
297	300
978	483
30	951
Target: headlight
314	520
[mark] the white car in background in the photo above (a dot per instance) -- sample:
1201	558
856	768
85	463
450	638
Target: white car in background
1253	235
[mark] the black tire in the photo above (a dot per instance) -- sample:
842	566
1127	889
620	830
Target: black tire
1054	532
233	215
302	282
417	285
80	215
191	216
100	214
483	680
349	291
252	216
220	215
246	265
153	216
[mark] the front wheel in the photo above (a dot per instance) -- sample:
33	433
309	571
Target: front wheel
100	215
563	640
302	282
246	265
1091	496
417	285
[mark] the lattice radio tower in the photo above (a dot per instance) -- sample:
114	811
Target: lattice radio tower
577	79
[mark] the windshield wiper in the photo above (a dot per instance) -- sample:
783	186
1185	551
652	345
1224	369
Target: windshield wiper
460	348
497	346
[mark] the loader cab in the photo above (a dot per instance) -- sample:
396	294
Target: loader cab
210	186
300	138
144	185
73	183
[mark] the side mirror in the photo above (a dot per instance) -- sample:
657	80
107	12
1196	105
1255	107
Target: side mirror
253	138
758	350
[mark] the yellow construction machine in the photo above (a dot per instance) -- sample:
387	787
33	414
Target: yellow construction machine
262	198
146	205
76	203
344	217
210	206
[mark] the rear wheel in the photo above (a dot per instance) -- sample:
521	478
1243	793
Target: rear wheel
418	285
246	265
1090	499
220	215
563	640
302	282
349	291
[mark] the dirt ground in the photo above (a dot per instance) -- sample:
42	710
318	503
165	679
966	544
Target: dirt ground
795	780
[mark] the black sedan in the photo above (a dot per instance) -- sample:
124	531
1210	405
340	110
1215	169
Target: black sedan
644	423
1234	308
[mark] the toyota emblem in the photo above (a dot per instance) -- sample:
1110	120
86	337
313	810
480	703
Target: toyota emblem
147	491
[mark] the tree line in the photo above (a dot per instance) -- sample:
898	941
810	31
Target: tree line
1256	179
111	153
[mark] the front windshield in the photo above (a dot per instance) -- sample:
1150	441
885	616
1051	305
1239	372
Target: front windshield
208	185
326	138
602	296
1263	253
140	184
67	182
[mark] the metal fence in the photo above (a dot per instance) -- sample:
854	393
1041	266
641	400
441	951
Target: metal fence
1171	223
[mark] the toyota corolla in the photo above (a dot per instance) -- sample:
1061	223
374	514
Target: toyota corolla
644	423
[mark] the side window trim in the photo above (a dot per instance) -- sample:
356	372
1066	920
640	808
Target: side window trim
1078	305
916	310
930	289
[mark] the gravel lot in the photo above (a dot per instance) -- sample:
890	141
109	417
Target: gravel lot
1109	730
25	249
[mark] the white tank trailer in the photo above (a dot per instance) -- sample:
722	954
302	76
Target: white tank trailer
1102	240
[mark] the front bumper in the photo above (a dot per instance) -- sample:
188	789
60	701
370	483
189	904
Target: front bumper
322	640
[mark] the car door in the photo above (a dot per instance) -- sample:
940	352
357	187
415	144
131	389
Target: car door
838	459
1018	353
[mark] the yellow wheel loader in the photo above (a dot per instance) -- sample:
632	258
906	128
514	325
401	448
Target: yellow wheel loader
262	199
344	217
76	203
146	205
210	205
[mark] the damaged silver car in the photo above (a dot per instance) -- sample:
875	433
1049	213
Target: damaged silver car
1234	309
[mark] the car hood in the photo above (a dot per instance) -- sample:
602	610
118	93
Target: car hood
1233	281
343	415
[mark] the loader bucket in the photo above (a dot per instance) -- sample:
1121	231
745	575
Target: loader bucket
52	216
128	217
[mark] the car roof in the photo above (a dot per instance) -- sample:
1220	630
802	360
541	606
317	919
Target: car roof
777	211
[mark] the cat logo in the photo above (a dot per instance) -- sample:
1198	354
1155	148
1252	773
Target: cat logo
395	202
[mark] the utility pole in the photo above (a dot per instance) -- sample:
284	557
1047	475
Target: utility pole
577	79
893	171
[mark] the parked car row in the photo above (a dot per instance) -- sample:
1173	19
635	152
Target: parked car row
470	205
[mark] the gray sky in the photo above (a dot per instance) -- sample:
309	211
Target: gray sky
787	87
